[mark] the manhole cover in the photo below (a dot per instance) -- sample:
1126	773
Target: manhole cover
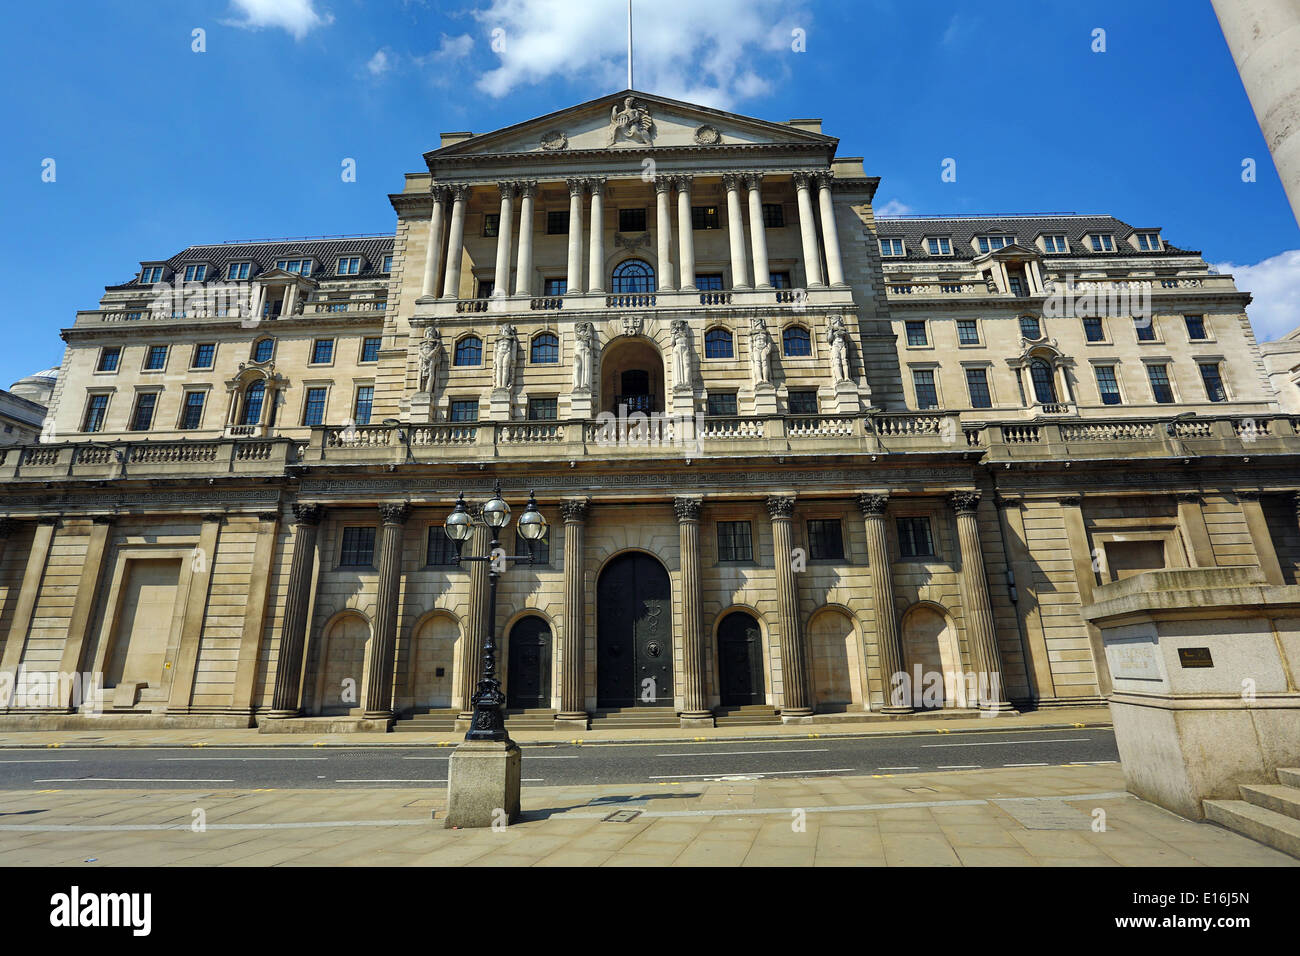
621	816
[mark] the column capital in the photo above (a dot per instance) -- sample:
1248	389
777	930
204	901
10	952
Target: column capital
1002	501
683	182
527	188
965	502
1070	501
596	184
823	178
395	512
753	180
211	517
307	514
780	507
663	184
873	505
733	181
1190	497
804	178
440	192
574	510
687	509
459	191
508	189
576	185
268	516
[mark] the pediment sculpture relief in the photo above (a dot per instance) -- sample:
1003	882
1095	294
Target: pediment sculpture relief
632	120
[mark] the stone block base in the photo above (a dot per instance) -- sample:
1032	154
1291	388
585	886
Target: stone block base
797	718
571	722
109	720
697	721
483	784
322	725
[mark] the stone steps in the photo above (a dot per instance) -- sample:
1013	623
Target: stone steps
634	718
748	715
1268	813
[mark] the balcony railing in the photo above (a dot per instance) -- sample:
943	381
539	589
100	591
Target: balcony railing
797	299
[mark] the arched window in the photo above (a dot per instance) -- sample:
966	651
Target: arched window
795	340
469	351
1044	387
718	343
633	276
263	349
253	397
545	349
1030	328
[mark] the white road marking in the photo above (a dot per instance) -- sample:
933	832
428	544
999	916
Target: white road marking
409	780
242	758
1012	743
734	753
752	773
959	766
1024	765
527	757
127	780
39	760
898	768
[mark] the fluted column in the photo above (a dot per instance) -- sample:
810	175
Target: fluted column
757	231
285	701
664	230
573	698
524	269
882	594
736	231
830	233
812	257
794	669
433	253
695	707
505	229
685	234
574	285
455	241
980	629
596	263
476	618
379	679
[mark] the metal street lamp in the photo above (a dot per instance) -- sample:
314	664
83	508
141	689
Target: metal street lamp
488	722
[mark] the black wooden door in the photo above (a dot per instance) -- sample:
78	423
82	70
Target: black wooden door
740	660
634	648
528	680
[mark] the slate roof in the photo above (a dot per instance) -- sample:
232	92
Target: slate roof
372	250
1026	229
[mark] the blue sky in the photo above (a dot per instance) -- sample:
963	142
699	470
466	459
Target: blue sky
157	146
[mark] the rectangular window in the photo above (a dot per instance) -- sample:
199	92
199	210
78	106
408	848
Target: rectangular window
1149	241
1054	243
388	264
939	247
825	540
710	282
803	401
990	243
370	348
151	274
322	352
195	273
364	404
313	412
773	215
557	222
192	413
155	359
142	418
442	551
1213	380
238	270
780	280
977	383
543	409
722	403
1195	327
300	267
1145	326
358	550
491	224
704	217
1161	390
205	354
1107	385
96	409
916	333
968	332
915	539
631	220
926	394
1093	330
464	410
1101	242
557	286
349	266
891	247
734	541
486	288
108	358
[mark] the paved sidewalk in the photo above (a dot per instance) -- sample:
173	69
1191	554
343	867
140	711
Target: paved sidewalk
1035	816
876	725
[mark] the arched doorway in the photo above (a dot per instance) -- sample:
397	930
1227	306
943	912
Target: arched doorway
634	647
833	645
931	658
528	669
740	660
631	374
429	667
343	666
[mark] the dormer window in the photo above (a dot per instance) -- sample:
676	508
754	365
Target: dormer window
1101	242
1148	241
196	273
990	243
939	247
388	264
239	270
299	267
1054	244
891	247
349	266
151	274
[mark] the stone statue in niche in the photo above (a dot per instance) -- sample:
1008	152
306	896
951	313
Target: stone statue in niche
503	362
633	120
837	336
683	356
761	347
584	356
430	354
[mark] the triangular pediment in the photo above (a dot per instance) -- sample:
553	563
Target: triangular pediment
634	121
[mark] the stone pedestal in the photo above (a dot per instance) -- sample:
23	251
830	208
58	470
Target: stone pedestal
848	401
683	401
421	408
580	404
764	399
483	784
1202	662
499	405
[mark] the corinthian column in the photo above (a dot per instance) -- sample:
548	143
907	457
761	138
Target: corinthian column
524	270
736	231
695	710
830	234
794	671
812	257
574	283
664	230
975	600
685	234
596	265
433	252
379	680
505	228
476	618
882	594
573	699
758	231
288	671
455	242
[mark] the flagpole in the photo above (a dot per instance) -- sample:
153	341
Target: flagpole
629	44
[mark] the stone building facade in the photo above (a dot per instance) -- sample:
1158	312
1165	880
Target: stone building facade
788	452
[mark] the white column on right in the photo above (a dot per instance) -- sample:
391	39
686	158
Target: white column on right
574	282
686	233
830	234
812	257
433	251
455	241
757	231
664	230
736	231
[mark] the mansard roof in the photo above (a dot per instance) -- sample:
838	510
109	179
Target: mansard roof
962	230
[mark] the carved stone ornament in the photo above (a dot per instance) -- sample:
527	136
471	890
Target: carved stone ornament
707	136
584	356
575	509
395	512
779	507
873	504
308	514
632	243
555	140
633	324
965	502
688	509
631	120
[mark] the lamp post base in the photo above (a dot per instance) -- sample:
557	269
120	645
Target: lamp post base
483	784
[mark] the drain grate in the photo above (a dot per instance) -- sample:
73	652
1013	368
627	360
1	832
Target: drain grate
621	816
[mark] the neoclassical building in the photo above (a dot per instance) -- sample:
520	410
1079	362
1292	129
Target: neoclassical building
798	463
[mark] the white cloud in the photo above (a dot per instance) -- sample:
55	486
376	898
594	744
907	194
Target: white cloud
894	207
1275	285
453	48
298	17
380	63
714	52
